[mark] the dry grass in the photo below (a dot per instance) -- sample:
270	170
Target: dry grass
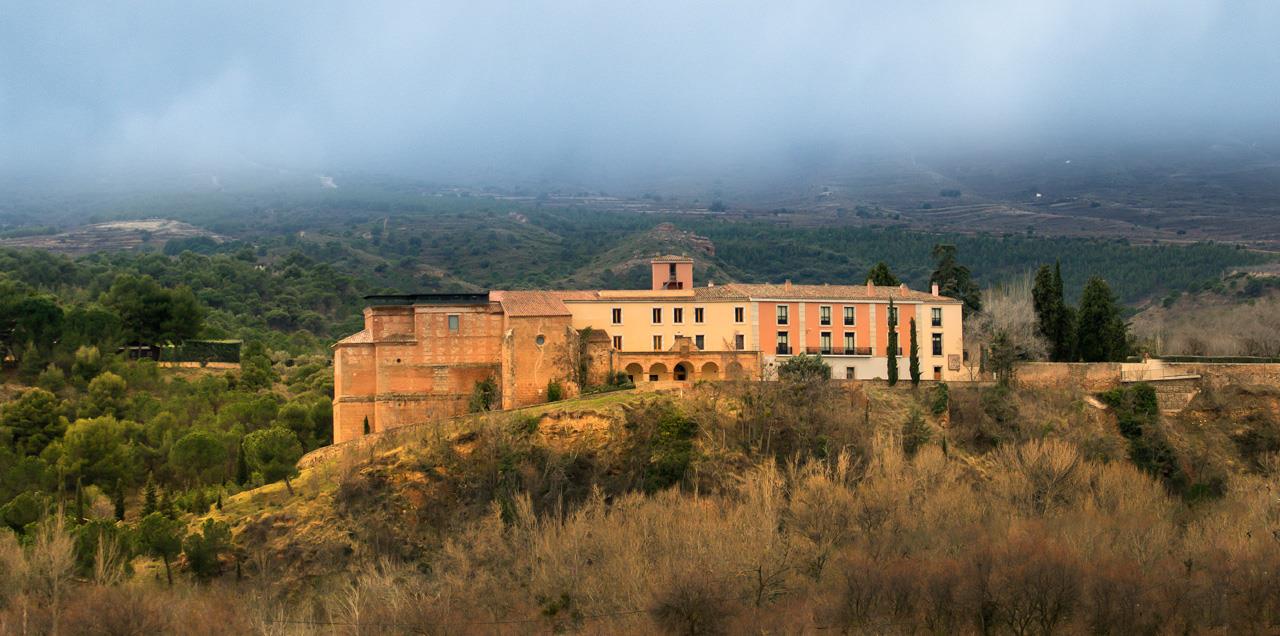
785	523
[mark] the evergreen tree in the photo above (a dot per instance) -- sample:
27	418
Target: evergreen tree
161	536
954	280
891	351
880	275
1053	316
79	500
914	360
1004	358
242	464
166	506
149	503
119	500
1103	335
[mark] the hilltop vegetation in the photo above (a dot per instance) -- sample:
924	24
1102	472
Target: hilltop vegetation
749	507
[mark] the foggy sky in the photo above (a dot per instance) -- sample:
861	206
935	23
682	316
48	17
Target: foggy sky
441	89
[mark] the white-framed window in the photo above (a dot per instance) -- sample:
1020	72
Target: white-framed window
739	314
617	343
454	323
700	342
616	315
850	342
698	315
824	343
824	315
739	342
783	314
784	342
677	315
657	315
935	315
937	344
850	316
657	343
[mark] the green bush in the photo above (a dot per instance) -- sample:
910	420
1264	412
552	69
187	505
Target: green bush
941	399
555	391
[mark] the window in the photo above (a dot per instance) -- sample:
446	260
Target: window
937	344
850	343
657	343
937	373
824	342
848	316
617	315
850	373
540	340
782	314
653	377
657	315
617	343
699	342
739	342
783	343
824	315
453	323
936	315
677	315
738	314
697	315
893	315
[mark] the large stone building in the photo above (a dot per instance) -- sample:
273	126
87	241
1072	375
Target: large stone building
420	356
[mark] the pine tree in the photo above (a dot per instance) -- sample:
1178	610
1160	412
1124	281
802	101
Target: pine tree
119	500
954	280
1102	333
149	503
891	353
881	275
914	360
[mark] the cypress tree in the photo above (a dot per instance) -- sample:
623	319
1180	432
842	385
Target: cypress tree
149	502
1066	342
1102	334
242	466
119	500
914	360
1055	319
79	501
891	352
954	280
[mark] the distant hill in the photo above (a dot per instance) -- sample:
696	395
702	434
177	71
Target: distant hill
111	236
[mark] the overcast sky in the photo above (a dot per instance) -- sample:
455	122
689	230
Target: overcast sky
434	89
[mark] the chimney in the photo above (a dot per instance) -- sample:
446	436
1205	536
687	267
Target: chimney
871	289
934	291
903	287
787	284
712	283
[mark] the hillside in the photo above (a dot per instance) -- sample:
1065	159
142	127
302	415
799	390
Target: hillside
789	508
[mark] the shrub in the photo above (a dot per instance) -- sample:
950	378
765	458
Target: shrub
484	396
941	399
915	433
204	548
555	391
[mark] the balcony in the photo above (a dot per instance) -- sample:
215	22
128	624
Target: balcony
838	351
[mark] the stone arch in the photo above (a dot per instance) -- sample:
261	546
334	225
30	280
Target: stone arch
683	372
735	370
635	372
658	372
710	371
